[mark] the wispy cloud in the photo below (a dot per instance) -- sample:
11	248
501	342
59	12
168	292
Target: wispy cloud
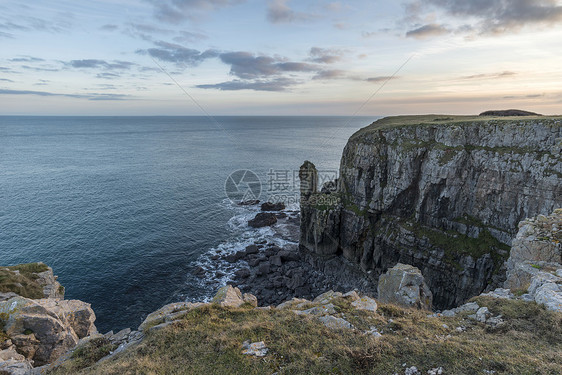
188	37
325	55
246	65
278	11
176	11
426	31
101	64
485	16
109	27
277	84
178	54
504	74
6	80
26	59
93	96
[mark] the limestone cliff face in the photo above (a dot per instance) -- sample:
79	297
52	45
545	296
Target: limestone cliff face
444	194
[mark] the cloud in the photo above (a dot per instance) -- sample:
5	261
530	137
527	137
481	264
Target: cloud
26	59
93	96
100	64
107	75
279	12
277	84
109	27
490	75
6	80
426	31
176	11
178	54
381	79
495	16
6	35
39	69
325	56
246	65
188	37
330	74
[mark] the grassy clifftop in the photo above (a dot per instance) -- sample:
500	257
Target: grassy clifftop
208	340
443	120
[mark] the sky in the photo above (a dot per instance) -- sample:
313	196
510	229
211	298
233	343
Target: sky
279	57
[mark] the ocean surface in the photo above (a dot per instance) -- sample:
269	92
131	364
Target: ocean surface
124	208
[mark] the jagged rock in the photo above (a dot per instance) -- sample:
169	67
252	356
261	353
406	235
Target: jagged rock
404	285
352	296
46	328
420	190
251	299
257	349
51	287
168	313
263	219
500	293
295	302
335	323
411	371
228	296
318	310
250	202
6	296
550	295
269	206
365	303
15	366
538	245
327	297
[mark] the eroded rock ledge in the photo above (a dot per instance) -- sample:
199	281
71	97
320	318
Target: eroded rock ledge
442	193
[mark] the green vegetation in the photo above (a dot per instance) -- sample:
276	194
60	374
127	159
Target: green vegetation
21	279
89	353
208	340
430	120
455	244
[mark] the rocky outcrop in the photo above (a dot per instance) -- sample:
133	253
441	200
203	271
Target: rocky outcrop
535	262
44	329
444	194
37	326
263	219
404	285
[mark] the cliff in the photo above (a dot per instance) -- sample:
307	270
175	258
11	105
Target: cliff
442	193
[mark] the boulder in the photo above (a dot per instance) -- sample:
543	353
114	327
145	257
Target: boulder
263	219
249	202
333	322
404	285
269	206
228	296
365	303
45	329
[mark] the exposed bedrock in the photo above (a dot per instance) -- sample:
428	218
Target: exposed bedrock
444	194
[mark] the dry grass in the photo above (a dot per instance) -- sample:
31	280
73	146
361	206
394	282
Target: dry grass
22	283
209	340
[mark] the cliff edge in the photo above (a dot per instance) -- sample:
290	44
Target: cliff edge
442	193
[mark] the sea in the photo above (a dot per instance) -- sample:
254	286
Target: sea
125	208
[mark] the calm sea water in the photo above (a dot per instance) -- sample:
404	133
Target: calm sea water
122	207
